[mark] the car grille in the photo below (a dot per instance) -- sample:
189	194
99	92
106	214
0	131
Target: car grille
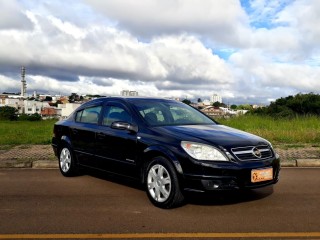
252	152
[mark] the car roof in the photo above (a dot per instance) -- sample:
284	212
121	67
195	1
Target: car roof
134	98
124	99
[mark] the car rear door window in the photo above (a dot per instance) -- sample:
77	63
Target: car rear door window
89	115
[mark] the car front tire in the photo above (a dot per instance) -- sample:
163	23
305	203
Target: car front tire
162	184
67	164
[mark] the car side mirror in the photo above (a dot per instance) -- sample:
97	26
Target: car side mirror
124	126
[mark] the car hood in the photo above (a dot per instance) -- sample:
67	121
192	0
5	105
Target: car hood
218	135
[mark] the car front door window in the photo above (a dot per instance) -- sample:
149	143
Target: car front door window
115	114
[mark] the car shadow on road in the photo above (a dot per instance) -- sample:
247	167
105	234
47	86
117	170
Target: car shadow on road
193	198
228	197
114	178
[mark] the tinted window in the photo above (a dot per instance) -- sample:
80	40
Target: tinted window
89	115
158	113
115	114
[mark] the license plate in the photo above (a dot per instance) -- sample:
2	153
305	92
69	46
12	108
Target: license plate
260	175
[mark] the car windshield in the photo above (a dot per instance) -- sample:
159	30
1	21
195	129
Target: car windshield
167	112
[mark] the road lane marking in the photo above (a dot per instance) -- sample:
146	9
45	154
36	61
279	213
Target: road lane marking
163	235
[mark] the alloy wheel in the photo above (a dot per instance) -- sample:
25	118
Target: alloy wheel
159	183
65	160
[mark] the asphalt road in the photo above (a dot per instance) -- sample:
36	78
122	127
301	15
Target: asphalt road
42	203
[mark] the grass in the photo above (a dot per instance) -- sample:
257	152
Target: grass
25	132
294	132
299	130
5	147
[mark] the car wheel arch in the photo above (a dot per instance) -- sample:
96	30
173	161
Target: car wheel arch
65	140
158	151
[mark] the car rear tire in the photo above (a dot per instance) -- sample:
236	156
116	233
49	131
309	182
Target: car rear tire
67	165
162	184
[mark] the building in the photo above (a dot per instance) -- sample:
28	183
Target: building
206	102
32	107
24	106
17	103
228	111
215	98
128	93
221	111
49	112
212	111
64	110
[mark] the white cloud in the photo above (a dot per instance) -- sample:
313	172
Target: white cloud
223	21
303	17
295	35
186	59
8	83
263	73
12	17
65	50
168	48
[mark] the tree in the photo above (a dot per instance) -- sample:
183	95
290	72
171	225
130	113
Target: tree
48	99
244	107
219	104
8	113
186	101
233	106
74	97
56	103
223	105
216	104
199	100
300	104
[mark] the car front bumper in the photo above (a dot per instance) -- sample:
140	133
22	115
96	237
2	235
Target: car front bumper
229	177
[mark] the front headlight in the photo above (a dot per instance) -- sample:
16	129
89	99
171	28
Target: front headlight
201	151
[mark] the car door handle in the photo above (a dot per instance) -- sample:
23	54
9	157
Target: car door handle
74	131
101	135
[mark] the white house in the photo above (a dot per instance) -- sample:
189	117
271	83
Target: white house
25	106
32	107
13	102
67	109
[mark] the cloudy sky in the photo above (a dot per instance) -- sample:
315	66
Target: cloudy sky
252	51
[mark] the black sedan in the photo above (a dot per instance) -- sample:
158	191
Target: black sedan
167	145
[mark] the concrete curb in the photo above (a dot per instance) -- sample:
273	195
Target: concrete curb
40	164
301	163
308	162
15	164
292	163
53	164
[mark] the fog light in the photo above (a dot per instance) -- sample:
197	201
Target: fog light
210	184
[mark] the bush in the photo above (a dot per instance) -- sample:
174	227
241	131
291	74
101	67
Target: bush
33	117
8	113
